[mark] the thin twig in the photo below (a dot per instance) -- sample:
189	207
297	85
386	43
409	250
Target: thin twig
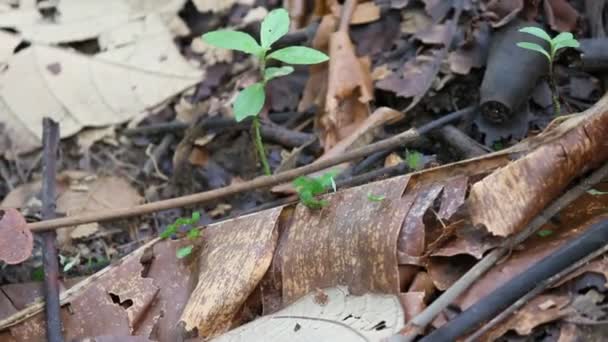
419	323
49	250
257	183
537	290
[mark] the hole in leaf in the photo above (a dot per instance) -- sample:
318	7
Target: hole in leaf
124	304
381	325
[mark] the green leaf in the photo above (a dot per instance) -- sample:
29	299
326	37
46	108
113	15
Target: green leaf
413	159
196	216
274	26
562	37
170	230
572	43
327	180
537	32
534	47
271	73
249	102
596	192
38	274
375	198
71	263
193	234
299	55
233	40
184	252
544	232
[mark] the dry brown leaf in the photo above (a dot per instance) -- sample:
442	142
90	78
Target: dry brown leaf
174	278
365	12
349	91
16	241
341	316
112	304
562	17
357	235
316	85
505	201
530	316
235	256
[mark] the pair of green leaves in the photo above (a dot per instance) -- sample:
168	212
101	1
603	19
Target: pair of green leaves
308	188
192	234
249	101
562	40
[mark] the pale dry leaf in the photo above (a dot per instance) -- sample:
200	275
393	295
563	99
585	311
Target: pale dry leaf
78	90
218	5
7	47
237	253
82	20
341	317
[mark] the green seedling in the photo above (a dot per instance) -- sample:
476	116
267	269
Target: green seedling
192	234
595	192
308	188
69	262
561	41
413	159
544	232
375	198
250	101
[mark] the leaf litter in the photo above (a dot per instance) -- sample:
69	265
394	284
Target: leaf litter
408	237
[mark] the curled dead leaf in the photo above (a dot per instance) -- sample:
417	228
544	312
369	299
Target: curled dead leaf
16	240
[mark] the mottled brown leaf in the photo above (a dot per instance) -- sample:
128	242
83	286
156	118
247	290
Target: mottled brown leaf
352	242
16	241
506	200
233	260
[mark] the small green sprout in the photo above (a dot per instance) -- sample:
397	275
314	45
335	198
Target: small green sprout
308	188
69	262
561	41
375	198
413	159
595	192
192	234
250	101
544	232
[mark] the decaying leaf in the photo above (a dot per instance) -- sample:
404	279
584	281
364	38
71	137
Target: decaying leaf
16	241
561	16
341	316
530	316
110	303
237	253
509	198
82	20
365	12
78	90
349	91
346	231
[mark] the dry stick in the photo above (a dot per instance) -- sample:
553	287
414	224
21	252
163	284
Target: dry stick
418	323
260	182
49	250
537	290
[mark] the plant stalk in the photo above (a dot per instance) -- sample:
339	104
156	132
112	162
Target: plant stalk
554	94
259	145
